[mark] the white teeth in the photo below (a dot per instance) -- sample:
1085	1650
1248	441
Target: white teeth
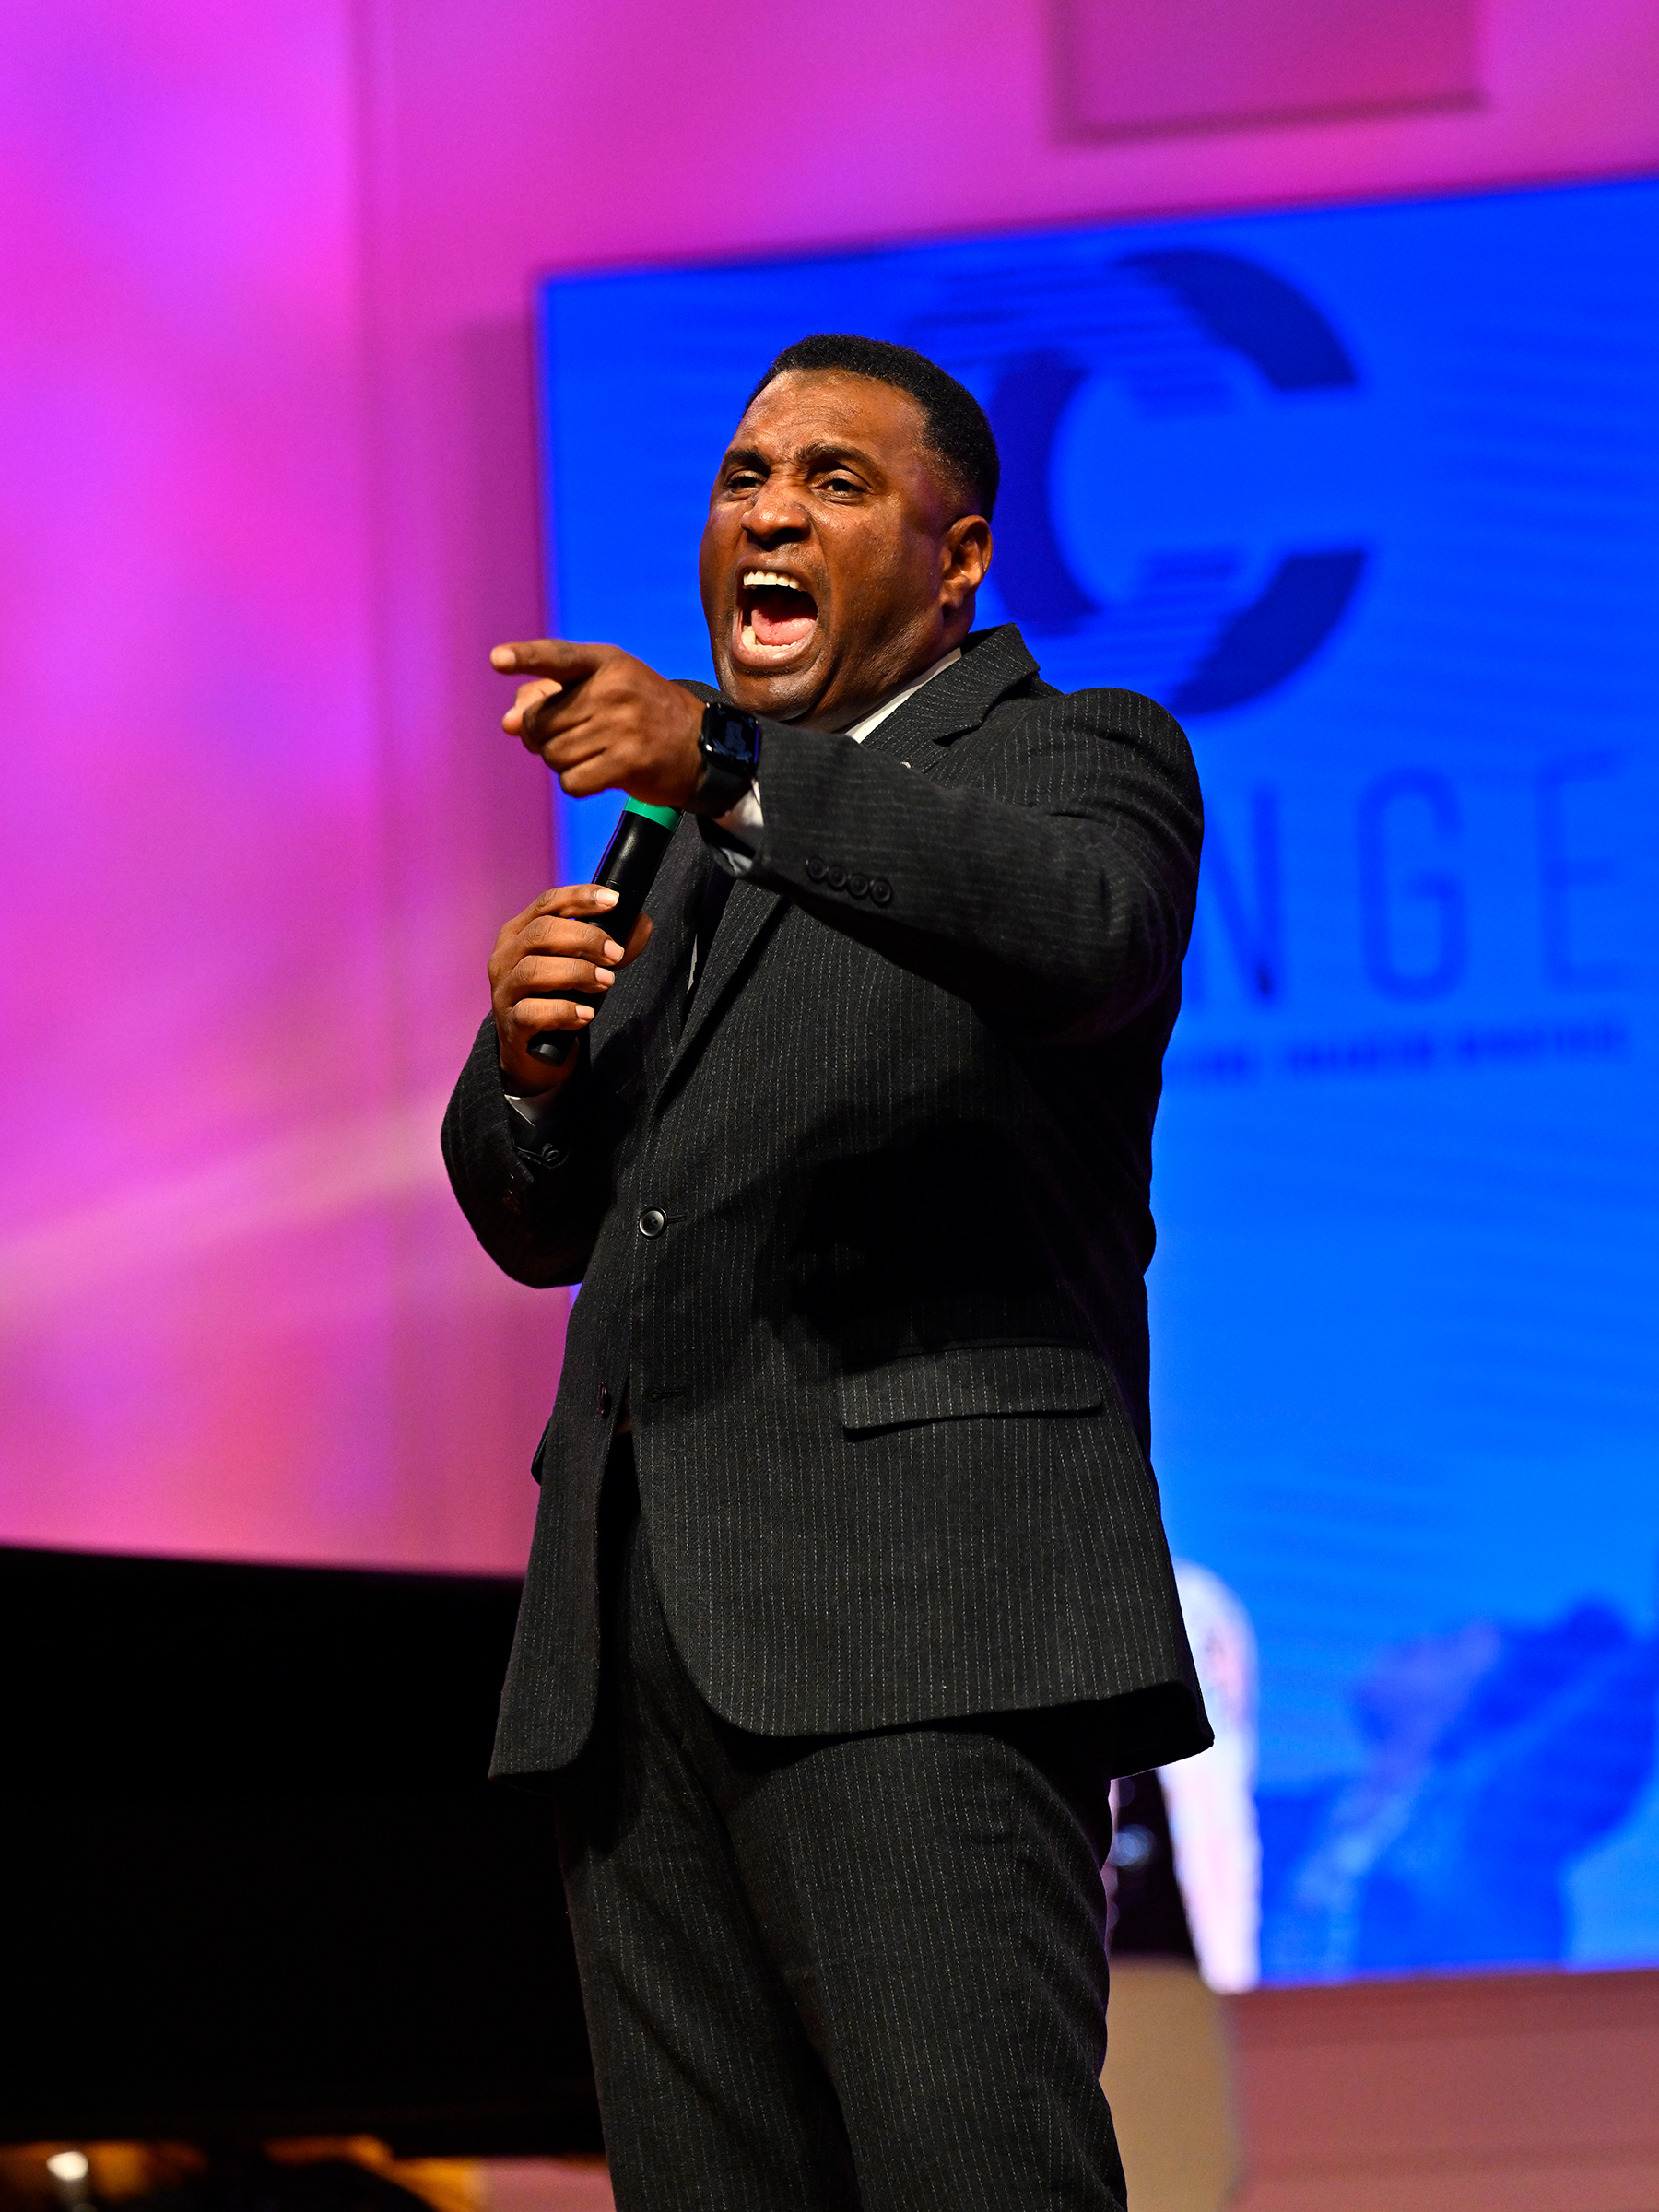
757	580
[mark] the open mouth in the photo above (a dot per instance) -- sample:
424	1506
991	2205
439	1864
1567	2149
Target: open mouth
775	613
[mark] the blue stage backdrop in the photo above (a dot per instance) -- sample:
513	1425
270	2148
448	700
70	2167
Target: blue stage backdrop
1368	498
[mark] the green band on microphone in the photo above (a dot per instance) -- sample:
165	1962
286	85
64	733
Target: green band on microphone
668	816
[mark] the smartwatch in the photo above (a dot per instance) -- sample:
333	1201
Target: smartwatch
730	746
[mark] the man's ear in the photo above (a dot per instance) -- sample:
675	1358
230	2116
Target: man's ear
965	557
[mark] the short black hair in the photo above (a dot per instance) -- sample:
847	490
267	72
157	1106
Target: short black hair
958	432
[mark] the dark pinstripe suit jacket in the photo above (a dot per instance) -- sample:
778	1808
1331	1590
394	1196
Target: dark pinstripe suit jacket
886	1350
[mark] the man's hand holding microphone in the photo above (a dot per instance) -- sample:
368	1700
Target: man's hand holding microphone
602	721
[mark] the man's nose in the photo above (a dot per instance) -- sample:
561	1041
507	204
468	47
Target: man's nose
774	516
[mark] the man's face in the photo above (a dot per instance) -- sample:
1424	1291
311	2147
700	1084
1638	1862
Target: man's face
835	565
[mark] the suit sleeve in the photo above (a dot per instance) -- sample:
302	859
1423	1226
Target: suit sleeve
1054	893
534	1196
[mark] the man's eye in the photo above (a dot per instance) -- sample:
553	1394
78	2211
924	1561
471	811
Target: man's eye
844	486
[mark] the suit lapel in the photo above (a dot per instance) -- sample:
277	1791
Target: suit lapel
748	911
992	663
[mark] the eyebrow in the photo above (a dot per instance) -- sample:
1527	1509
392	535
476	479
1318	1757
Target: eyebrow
834	456
813	459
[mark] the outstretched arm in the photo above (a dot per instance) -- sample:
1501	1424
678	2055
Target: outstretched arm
1055	894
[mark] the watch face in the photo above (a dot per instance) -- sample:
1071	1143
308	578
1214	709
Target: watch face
729	731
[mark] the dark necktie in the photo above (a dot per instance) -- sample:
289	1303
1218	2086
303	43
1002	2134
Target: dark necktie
711	905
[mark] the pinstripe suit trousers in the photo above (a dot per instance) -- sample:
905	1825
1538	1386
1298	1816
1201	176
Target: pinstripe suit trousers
833	1973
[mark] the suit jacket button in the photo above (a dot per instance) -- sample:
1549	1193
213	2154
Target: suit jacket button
881	890
858	885
653	1221
838	879
603	1401
815	867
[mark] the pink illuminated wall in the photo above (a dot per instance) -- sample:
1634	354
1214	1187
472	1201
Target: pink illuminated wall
267	495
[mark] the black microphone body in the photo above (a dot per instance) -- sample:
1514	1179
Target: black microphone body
629	868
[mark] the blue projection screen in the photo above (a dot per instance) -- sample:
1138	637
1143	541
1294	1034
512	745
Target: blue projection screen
1368	496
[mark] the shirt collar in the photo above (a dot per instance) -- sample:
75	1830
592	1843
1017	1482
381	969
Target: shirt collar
859	731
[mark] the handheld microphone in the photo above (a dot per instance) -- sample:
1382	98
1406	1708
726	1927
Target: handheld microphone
629	868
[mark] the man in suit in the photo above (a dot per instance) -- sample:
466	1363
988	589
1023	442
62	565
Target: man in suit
848	1589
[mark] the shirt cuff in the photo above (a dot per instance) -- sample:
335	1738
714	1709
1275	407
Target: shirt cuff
746	819
735	835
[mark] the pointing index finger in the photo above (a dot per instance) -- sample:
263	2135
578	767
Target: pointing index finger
561	657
